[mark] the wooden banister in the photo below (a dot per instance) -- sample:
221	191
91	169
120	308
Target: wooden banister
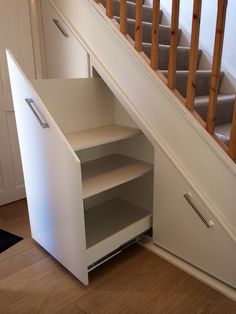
109	8
123	16
193	59
232	141
216	65
173	44
138	25
155	34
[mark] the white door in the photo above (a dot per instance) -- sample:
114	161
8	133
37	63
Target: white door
15	34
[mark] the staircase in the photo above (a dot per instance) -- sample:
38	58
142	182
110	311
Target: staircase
224	106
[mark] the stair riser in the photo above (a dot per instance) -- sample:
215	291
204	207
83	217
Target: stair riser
202	82
163	55
164	32
131	7
224	110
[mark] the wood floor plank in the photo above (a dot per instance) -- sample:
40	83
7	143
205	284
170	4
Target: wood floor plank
14	218
136	281
45	288
152	286
19	256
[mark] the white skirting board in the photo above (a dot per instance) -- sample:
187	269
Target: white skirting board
190	269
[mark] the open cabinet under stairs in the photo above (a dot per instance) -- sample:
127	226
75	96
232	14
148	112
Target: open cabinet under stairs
81	183
90	184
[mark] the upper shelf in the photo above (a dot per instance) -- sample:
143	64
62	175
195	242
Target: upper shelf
94	137
108	172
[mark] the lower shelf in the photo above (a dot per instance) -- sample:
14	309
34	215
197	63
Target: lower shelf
111	224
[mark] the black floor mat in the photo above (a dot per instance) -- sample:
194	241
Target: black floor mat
7	240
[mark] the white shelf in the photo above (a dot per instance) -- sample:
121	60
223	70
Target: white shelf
112	224
105	173
94	137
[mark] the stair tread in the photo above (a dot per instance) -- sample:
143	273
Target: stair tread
98	136
108	172
219	97
223	132
167	46
147	23
185	72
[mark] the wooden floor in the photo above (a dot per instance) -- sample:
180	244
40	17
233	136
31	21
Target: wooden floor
137	281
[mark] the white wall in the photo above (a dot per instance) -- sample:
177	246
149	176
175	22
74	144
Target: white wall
208	22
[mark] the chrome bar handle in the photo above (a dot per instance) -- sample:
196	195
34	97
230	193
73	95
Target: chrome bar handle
57	23
209	223
30	103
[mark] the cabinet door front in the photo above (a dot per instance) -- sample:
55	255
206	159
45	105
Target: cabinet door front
65	56
52	175
186	227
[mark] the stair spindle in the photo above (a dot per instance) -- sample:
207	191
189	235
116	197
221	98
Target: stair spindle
193	59
155	34
216	65
173	44
109	8
123	17
232	141
138	25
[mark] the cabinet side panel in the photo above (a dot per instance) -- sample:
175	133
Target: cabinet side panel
52	176
77	104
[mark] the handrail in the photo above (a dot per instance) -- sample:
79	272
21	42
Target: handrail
216	65
193	59
153	61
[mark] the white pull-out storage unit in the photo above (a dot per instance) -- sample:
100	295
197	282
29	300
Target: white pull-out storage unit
85	205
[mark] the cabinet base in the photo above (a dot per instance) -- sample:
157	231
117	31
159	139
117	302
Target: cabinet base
117	251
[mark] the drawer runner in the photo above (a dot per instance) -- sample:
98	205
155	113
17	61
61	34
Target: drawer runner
116	251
